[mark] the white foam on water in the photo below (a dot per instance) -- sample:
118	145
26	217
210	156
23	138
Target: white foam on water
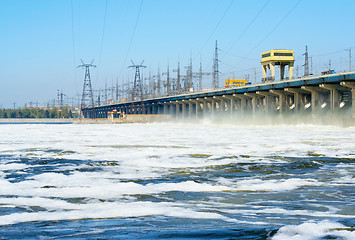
314	231
252	210
94	185
13	166
49	204
146	151
269	185
252	140
109	210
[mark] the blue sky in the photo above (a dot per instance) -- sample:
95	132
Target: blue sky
42	42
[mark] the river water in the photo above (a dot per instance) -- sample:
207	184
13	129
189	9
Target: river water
175	180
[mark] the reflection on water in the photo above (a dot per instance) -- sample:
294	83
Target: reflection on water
176	181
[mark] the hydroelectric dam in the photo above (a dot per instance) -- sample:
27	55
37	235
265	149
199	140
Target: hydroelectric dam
326	96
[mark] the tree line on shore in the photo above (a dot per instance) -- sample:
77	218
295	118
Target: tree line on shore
65	112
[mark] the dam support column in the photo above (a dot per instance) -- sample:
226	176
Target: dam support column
231	104
333	97
242	103
297	99
171	109
166	108
177	110
197	105
205	106
213	107
282	100
220	102
253	102
190	109
267	102
156	108
149	109
183	109
351	85
314	98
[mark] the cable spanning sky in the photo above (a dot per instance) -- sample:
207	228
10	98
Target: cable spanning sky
42	41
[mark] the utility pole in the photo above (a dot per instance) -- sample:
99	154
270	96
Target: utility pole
87	99
137	93
215	78
306	64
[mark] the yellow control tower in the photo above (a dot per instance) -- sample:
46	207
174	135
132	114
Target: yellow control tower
278	57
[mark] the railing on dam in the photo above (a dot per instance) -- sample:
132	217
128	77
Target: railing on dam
333	94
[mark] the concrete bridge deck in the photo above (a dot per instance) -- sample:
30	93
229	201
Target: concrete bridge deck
325	95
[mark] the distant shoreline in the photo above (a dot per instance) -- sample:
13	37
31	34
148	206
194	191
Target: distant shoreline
38	120
135	118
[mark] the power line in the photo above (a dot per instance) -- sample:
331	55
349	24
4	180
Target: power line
73	42
325	54
249	25
102	38
134	30
276	26
272	30
237	56
215	28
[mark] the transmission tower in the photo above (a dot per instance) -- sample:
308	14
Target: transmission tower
87	99
99	99
58	94
188	84
306	63
177	85
215	75
157	83
137	93
167	83
349	58
117	92
200	74
61	99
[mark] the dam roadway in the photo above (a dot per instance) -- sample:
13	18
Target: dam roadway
331	95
